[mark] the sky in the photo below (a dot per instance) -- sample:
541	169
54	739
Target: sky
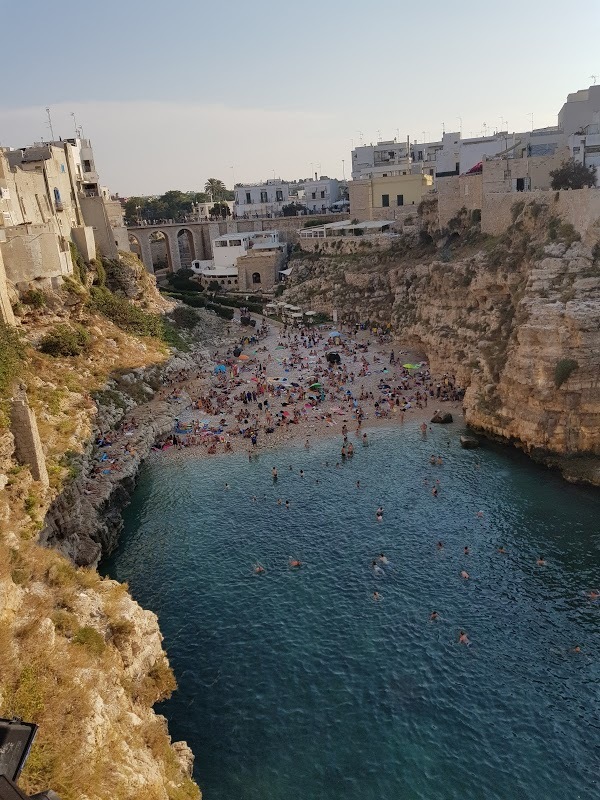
171	94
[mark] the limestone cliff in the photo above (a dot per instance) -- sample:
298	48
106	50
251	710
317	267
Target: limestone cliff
515	318
77	654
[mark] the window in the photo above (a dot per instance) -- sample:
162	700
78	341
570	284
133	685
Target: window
279	195
256	277
314	195
431	172
399	199
457	167
322	194
385	200
87	165
420	155
248	197
263	197
62	167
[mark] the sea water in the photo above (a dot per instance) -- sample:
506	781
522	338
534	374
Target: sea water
296	684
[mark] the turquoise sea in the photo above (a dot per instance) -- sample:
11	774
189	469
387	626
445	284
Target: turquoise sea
297	685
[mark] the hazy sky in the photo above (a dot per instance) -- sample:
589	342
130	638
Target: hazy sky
171	93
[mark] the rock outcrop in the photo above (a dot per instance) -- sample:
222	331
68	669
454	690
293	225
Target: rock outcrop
516	319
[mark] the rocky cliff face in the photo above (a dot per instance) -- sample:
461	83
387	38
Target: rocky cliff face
77	655
516	319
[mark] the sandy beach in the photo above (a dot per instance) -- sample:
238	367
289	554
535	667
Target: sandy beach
281	387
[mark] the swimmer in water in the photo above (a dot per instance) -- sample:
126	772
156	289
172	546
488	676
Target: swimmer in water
279	501
226	486
358	484
287	504
274	473
432	459
440	545
376	596
576	649
501	550
440	461
463	638
480	514
382	559
258	569
301	473
307	445
376	569
434	616
379	514
593	595
294	562
343	451
364	440
467	551
540	562
464	574
254	498
434	491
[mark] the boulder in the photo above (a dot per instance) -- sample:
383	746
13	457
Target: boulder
469	442
443	419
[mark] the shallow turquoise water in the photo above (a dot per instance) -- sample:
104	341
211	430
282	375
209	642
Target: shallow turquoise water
296	684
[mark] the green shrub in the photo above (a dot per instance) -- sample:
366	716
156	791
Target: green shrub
563	370
184	317
65	341
476	215
313	223
12	354
182	280
90	639
124	314
34	298
79	265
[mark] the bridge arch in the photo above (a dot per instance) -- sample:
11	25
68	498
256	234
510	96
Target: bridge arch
186	247
160	249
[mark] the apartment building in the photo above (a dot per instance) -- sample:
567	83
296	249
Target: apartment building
266	199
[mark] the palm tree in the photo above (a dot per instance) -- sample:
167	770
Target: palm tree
215	188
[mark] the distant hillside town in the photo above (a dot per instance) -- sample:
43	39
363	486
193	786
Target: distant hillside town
53	206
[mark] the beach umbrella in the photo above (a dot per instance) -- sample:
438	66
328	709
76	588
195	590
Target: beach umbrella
333	334
243	357
315	386
411	366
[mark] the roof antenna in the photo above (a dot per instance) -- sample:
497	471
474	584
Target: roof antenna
50	123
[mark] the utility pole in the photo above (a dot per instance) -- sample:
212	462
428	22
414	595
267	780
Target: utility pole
460	123
531	115
343	170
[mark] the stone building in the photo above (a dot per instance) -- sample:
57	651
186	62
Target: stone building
261	199
387	198
50	196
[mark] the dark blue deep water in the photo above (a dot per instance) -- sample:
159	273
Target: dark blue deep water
296	685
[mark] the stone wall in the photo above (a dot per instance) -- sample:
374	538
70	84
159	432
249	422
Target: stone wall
94	214
6	312
347	244
580	207
35	253
265	264
28	447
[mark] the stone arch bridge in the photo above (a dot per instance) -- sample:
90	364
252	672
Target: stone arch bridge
199	236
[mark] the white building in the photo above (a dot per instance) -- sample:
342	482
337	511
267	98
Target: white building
581	109
321	194
231	246
261	199
585	147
